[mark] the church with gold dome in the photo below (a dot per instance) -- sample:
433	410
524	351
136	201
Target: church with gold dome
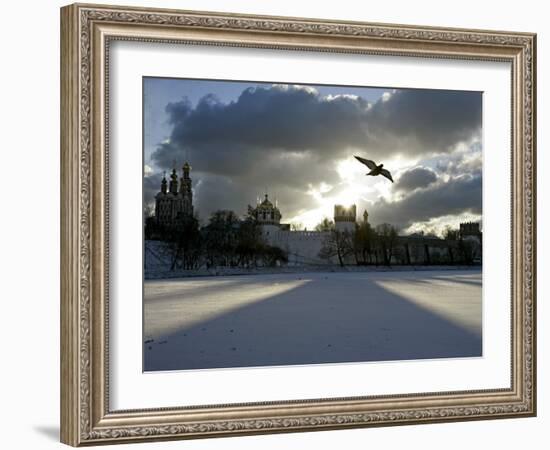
174	202
265	213
302	246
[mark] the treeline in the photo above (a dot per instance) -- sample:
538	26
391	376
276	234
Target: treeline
381	245
226	241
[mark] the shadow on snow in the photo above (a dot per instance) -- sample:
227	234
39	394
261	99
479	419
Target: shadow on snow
313	323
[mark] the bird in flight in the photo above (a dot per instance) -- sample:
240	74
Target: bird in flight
375	169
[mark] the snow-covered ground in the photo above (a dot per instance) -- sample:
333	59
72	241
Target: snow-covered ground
282	319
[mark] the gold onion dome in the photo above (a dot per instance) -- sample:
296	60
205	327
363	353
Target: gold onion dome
266	203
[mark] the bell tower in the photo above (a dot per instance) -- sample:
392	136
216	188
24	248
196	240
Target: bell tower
186	193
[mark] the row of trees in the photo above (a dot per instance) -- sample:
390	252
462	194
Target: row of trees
226	241
366	245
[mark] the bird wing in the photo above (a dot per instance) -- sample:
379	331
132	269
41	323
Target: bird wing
387	174
367	162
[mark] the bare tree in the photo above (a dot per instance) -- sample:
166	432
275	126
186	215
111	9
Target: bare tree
238	243
221	238
467	250
337	243
364	241
185	243
450	234
387	236
250	245
273	255
325	225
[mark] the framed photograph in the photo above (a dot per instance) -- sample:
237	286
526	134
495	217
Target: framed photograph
275	224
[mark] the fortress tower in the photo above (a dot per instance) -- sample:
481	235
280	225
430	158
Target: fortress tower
344	217
470	229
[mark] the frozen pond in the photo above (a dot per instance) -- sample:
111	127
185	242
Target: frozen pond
266	320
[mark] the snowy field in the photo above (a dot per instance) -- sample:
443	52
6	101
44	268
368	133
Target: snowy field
266	320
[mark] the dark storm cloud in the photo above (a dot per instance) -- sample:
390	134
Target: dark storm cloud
461	163
455	196
213	192
277	117
268	133
217	190
418	122
418	177
288	138
291	118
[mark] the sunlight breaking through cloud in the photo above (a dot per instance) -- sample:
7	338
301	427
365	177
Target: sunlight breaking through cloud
297	142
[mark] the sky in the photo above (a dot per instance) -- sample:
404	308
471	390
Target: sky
297	142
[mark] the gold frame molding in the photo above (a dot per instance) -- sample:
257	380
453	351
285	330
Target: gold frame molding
86	31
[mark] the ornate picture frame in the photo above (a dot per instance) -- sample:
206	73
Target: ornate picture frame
87	32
